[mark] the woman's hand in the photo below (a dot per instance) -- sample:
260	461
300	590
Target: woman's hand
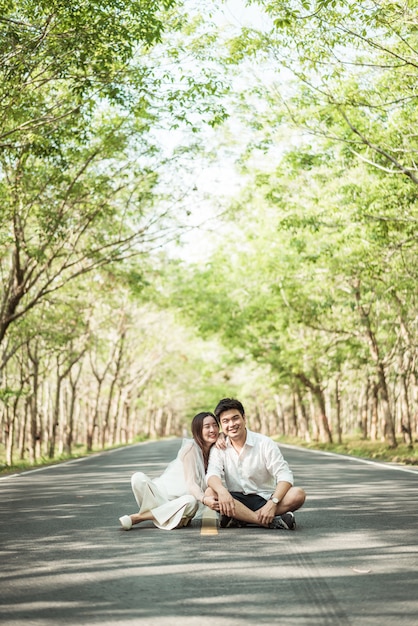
211	502
220	443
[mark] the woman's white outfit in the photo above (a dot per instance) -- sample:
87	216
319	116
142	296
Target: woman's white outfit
173	498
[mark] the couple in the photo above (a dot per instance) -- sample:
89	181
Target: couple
245	478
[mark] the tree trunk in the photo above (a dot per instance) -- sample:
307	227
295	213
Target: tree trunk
280	415
380	370
22	431
117	419
389	425
265	430
69	433
169	422
54	417
304	419
294	417
406	422
318	395
9	438
255	422
117	362
375	412
338	409
363	410
33	405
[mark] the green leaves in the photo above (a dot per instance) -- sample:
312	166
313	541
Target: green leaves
85	95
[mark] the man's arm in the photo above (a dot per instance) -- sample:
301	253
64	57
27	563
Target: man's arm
214	472
225	501
276	465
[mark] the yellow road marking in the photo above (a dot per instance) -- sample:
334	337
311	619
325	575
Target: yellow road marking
209	522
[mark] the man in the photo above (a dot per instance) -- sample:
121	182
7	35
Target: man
259	483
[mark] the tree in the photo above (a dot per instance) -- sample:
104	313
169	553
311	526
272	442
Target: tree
80	168
284	288
345	71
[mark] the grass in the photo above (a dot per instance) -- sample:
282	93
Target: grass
365	449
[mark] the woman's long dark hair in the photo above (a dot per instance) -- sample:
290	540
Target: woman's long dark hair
197	427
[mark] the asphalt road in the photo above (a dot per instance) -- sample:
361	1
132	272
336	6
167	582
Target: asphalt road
64	560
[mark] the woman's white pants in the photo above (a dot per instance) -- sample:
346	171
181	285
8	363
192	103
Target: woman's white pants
168	514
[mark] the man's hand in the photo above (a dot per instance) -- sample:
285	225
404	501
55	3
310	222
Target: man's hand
266	513
226	503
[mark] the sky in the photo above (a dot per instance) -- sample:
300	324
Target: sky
219	182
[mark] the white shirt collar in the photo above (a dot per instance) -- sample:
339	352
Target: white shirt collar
250	439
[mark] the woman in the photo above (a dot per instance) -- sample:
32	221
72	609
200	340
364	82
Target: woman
172	499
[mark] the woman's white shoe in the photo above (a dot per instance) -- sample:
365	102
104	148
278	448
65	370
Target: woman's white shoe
125	522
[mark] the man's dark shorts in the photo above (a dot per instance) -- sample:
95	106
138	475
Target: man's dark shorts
250	500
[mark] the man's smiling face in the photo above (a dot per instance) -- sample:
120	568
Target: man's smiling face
233	424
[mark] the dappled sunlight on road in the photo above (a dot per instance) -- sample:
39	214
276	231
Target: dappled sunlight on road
352	559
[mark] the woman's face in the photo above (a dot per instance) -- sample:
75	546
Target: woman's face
210	430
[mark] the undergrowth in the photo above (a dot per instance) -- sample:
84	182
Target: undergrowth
365	449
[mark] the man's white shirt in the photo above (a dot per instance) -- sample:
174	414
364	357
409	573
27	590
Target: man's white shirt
256	469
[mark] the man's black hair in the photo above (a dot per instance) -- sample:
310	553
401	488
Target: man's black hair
226	404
